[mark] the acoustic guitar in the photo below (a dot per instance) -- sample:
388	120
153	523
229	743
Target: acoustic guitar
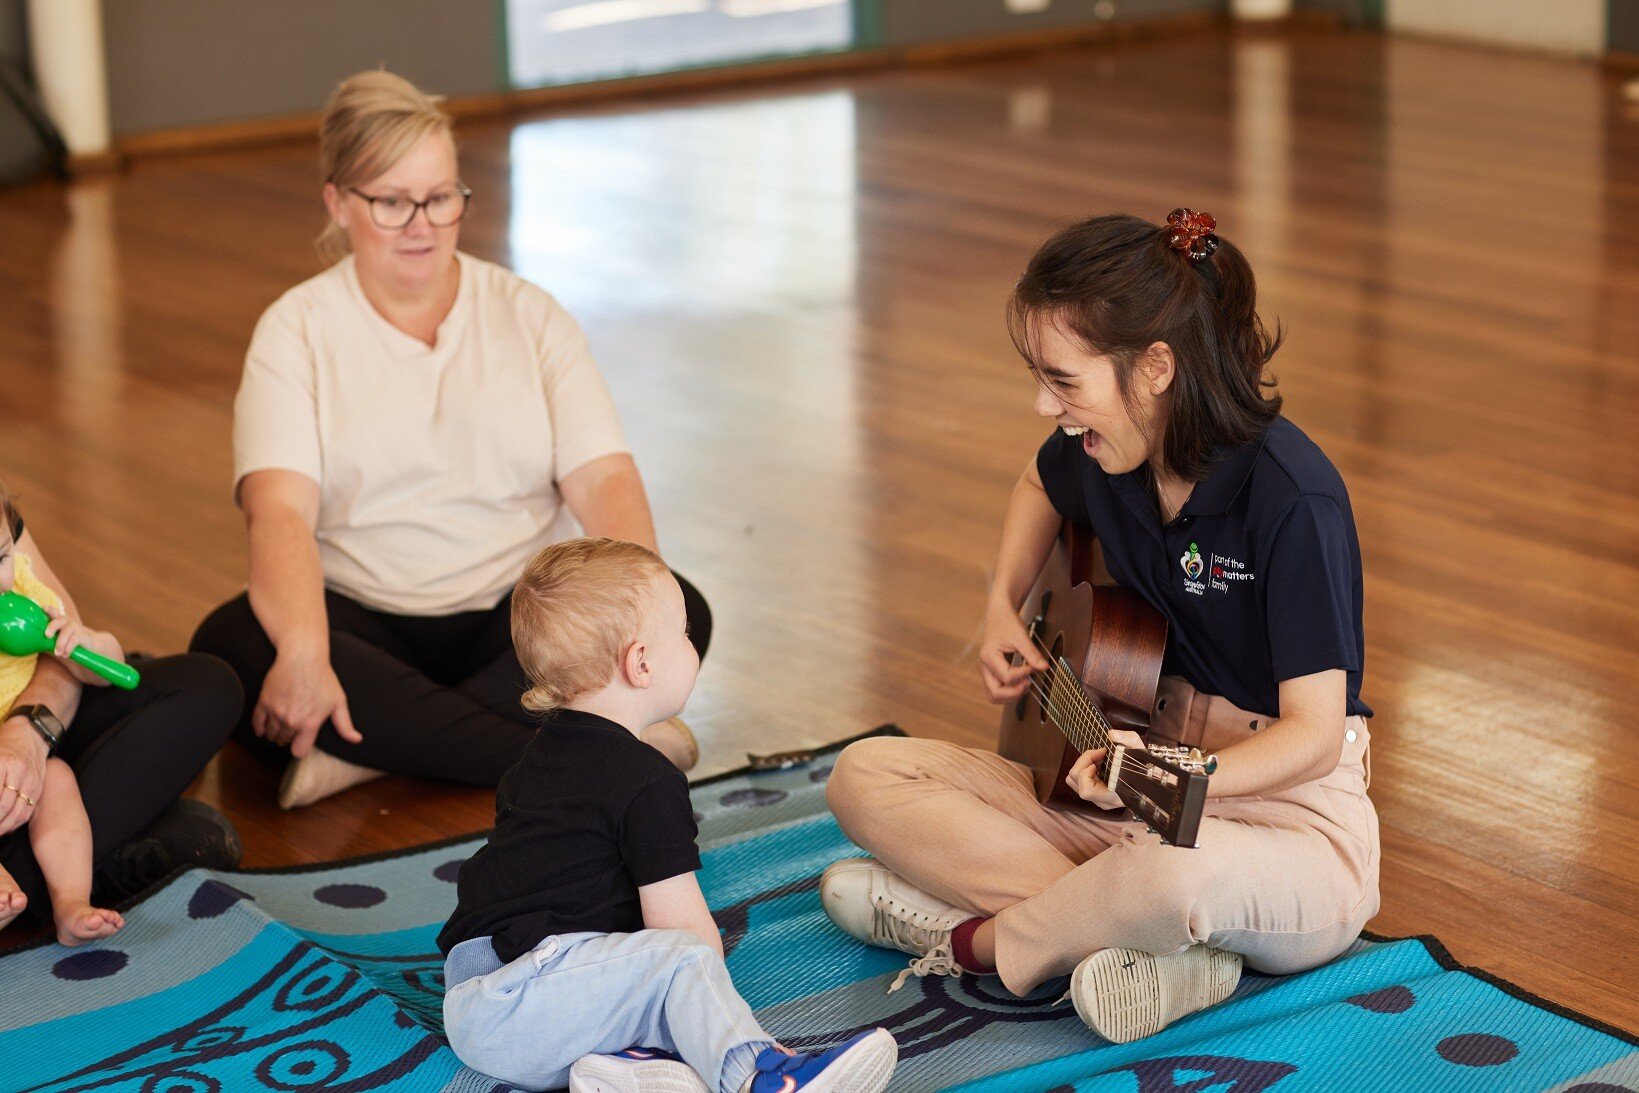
1104	647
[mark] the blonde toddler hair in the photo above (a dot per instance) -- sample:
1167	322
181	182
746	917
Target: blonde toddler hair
372	119
575	611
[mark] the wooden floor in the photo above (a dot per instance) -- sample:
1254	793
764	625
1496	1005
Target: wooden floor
797	296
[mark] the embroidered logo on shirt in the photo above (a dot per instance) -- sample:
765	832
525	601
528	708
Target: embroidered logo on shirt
1226	569
1193	567
1191	561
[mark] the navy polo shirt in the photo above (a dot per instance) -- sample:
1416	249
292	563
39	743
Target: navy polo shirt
1259	575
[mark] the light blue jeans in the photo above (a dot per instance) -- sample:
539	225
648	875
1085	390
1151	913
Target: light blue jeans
592	994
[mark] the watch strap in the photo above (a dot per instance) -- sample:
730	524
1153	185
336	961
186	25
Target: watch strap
42	719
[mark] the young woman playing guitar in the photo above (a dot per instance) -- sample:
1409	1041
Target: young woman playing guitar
1229	522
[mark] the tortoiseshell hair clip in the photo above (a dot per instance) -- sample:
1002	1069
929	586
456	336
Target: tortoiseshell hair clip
1191	234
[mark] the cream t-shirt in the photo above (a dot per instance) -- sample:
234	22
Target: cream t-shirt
437	466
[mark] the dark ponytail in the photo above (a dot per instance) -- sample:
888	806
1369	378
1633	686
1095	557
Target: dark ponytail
1115	284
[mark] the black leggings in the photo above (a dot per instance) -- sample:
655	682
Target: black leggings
433	696
133	753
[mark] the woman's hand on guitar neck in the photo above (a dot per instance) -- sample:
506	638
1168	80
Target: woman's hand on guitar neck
1084	779
1004	637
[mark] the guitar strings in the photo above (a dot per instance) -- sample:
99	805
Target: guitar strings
1087	717
1129	763
1080	735
1090	717
1097	729
1055	677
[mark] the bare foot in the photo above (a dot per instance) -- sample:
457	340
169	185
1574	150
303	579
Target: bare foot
82	922
12	903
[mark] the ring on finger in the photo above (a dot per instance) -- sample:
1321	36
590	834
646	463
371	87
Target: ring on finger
25	798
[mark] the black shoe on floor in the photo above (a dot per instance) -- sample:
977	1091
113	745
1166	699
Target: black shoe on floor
186	835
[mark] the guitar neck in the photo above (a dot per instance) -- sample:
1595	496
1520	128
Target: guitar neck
1078	719
1163	786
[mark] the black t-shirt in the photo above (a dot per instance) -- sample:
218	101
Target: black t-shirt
588	815
1259	575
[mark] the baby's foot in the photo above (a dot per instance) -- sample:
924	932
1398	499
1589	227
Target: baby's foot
81	922
12	904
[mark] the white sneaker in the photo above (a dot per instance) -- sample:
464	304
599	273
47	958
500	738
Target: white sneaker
635	1070
870	902
1126	994
318	775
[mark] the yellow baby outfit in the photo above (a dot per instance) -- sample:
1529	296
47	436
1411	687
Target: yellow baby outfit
15	672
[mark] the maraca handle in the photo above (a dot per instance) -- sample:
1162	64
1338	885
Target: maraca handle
119	674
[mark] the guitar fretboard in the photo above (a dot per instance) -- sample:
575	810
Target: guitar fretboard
1071	711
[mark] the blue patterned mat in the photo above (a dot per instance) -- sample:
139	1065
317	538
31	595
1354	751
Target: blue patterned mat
327	979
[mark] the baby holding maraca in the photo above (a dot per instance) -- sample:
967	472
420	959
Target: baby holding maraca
34	619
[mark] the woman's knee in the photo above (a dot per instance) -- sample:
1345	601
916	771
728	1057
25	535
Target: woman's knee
854	769
230	631
203	694
216	692
862	771
1290	953
1168	894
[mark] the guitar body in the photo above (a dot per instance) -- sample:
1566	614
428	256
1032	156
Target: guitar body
1112	639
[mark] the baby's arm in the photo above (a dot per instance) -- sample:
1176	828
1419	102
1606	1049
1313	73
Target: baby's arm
66	626
678	904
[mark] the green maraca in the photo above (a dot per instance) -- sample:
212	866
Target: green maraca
23	631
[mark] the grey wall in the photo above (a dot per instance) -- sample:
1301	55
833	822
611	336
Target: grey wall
1366	13
13	32
174	63
1622	26
188	62
21	153
919	22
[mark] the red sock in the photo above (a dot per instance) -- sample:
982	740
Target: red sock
961	945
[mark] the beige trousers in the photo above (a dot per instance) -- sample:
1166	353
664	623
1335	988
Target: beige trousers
1288	880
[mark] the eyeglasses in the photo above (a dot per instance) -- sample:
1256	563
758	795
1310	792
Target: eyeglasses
392	212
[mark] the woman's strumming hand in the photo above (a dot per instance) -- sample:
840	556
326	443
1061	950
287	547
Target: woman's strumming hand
1004	636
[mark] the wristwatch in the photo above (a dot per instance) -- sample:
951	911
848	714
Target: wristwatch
44	721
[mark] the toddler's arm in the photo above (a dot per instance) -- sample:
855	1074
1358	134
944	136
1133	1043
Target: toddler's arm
678	904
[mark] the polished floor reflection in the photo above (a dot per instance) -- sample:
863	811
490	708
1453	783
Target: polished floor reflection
796	296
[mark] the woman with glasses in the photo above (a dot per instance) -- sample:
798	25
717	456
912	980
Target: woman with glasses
413	424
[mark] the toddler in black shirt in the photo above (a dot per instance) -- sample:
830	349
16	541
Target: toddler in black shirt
581	948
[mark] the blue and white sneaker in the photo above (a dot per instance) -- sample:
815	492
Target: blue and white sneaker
635	1070
862	1064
